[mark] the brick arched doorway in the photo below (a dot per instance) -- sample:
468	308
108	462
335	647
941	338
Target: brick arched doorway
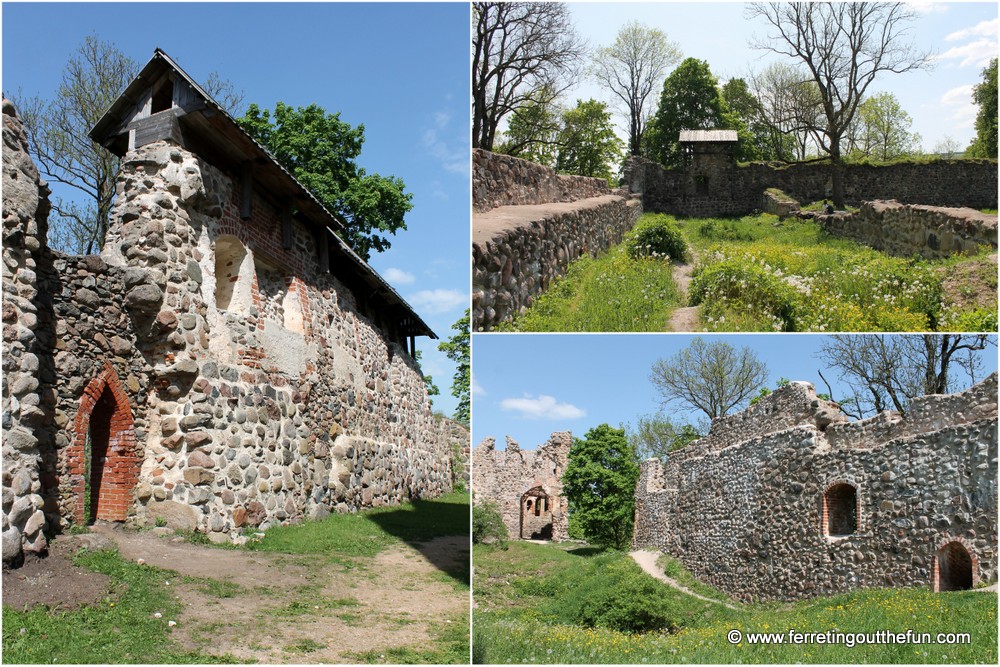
103	460
536	515
840	510
953	568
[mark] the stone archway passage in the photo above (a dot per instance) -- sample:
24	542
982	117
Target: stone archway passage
103	460
954	568
536	515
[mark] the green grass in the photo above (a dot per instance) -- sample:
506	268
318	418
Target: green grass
450	646
613	292
366	533
119	629
521	592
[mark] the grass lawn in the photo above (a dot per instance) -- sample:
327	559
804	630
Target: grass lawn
528	596
121	628
758	273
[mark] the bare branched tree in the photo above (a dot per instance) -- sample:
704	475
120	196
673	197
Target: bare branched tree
791	108
522	52
885	372
712	377
845	46
632	68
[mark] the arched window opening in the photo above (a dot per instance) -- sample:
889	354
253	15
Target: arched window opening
230	254
536	517
954	568
840	510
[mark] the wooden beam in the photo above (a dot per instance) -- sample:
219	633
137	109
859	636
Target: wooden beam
286	226
246	189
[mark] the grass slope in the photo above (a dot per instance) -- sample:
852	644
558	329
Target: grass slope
524	595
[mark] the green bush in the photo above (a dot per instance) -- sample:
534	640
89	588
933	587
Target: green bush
737	286
723	230
614	593
657	236
487	524
979	319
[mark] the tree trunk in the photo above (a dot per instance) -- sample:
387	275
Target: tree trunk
837	164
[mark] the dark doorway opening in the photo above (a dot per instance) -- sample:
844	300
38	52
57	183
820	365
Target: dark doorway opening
841	509
954	568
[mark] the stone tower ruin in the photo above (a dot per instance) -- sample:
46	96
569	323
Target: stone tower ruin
226	362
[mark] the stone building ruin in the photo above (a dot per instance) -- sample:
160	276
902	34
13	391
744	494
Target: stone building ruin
788	499
227	362
525	485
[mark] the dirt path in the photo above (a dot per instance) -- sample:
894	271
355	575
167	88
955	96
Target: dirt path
684	318
275	608
647	561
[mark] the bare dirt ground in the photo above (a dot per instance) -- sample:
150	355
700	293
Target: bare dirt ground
970	284
54	581
276	608
686	317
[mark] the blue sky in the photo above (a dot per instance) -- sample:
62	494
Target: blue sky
963	35
530	385
401	69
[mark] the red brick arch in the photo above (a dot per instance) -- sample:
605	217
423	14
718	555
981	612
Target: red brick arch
950	549
105	407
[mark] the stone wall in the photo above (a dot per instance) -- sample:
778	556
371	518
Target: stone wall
720	190
502	180
227	379
905	230
506	476
25	213
752	518
518	251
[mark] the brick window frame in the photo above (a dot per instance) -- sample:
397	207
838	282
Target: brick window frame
943	544
824	513
122	461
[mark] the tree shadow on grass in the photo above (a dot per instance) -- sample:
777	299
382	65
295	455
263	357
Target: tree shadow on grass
585	551
422	523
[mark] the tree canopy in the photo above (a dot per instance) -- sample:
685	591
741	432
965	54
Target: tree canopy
985	96
711	377
599	483
881	130
845	46
690	100
457	349
522	52
588	145
533	132
631	68
321	150
656	435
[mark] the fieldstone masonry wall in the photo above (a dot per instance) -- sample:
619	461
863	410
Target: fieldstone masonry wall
502	180
714	189
284	402
905	230
505	477
747	512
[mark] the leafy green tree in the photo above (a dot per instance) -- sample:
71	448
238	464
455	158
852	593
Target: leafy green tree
712	377
487	524
457	349
588	145
432	389
985	95
533	132
599	483
656	435
631	68
690	100
882	130
747	117
321	150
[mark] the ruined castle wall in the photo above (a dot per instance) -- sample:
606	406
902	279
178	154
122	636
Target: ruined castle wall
504	476
738	189
518	251
25	212
748	519
502	180
905	230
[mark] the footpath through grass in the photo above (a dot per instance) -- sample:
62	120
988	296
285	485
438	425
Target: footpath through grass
538	603
121	628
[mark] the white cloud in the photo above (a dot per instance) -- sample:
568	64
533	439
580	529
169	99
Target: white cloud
542	407
437	301
976	53
443	144
982	29
960	107
398	276
928	6
477	389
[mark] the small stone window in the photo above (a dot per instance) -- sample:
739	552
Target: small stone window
701	184
840	510
230	257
